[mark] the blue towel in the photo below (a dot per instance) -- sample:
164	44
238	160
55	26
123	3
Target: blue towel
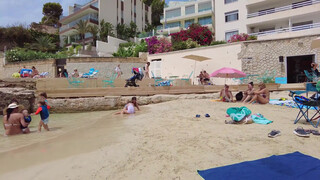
285	167
259	119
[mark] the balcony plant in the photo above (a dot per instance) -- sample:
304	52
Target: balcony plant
241	37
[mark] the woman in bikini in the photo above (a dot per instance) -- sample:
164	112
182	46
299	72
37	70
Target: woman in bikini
262	95
13	120
248	94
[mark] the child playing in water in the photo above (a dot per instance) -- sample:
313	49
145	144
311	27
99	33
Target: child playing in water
43	97
43	109
27	119
129	107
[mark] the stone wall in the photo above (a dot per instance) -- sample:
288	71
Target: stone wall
24	96
47	65
259	57
105	65
116	102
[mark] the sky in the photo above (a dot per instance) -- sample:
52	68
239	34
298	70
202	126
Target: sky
26	11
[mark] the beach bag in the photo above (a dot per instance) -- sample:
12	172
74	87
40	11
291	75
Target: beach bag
239	96
238	113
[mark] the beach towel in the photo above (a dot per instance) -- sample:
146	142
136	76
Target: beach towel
259	119
287	103
285	167
238	113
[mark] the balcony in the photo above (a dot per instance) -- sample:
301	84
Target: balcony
307	29
185	17
283	8
78	14
92	18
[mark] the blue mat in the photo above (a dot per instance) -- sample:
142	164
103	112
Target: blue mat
289	166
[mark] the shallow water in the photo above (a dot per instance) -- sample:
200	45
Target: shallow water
70	134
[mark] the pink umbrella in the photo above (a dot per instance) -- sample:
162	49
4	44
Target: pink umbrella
228	73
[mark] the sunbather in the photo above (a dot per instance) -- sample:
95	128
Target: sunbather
226	95
249	93
262	95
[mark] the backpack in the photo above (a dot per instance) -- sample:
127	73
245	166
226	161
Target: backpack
239	96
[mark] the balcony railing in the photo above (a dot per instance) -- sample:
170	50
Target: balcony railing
283	8
288	29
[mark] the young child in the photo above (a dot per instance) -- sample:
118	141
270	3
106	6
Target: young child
27	119
43	97
129	107
43	109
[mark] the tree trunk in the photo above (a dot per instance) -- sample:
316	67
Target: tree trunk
83	42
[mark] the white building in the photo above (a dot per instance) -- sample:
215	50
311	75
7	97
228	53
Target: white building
267	19
113	11
179	15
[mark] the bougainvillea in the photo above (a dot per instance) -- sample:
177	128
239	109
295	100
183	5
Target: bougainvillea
241	37
156	45
201	34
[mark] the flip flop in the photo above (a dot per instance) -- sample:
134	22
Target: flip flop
198	115
315	132
207	115
301	132
274	133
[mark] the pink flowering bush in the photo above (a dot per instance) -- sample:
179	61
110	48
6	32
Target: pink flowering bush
200	34
156	45
241	37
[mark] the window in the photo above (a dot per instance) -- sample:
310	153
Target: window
204	7
190	9
205	20
173	13
231	16
172	25
229	1
230	34
187	23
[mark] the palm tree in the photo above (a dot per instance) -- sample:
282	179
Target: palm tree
43	43
82	28
94	30
106	29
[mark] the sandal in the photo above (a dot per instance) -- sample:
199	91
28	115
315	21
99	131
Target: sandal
301	132
274	133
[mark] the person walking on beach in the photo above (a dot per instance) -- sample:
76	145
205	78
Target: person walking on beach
146	70
118	71
13	121
43	109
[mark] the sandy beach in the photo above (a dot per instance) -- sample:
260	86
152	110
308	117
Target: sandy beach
163	141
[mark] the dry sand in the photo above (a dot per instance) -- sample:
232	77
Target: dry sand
163	141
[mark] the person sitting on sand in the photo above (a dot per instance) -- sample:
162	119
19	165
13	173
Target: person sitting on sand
262	95
248	94
129	107
13	121
226	95
75	73
201	77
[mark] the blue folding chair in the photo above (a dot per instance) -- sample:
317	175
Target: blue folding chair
305	104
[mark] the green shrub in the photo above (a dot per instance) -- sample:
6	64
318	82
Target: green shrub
127	44
78	48
217	42
252	38
142	47
124	52
179	45
20	54
191	44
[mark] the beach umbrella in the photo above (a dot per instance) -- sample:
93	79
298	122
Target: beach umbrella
228	73
315	43
196	59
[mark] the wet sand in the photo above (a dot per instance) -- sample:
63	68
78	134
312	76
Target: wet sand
164	141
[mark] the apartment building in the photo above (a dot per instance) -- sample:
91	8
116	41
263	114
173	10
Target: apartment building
179	15
113	11
267	19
